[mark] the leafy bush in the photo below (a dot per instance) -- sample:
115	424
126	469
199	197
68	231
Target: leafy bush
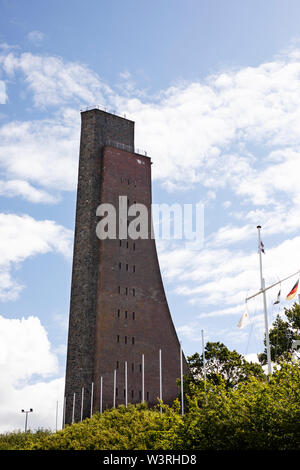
255	414
19	440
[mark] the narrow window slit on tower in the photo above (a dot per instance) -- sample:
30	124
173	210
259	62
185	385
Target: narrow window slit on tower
132	340
120	265
133	315
125	313
133	292
125	339
118	313
118	338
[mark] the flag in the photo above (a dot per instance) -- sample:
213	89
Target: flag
244	320
262	248
278	298
293	292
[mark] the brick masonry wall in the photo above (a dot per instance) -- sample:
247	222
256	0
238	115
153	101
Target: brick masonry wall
96	127
108	324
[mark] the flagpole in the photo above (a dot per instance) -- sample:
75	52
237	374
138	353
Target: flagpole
181	381
126	392
56	415
115	384
73	410
101	393
64	413
262	283
143	378
92	399
272	285
160	379
204	364
81	411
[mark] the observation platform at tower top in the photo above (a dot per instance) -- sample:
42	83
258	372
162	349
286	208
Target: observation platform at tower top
104	110
113	143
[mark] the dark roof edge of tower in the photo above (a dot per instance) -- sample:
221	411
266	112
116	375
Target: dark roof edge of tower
105	112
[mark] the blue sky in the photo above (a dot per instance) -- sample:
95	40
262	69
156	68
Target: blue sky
213	88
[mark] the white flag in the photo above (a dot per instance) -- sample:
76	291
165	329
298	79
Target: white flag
244	320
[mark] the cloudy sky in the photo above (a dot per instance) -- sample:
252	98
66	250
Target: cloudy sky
214	90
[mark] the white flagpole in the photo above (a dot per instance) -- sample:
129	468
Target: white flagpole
92	398
181	381
126	394
115	382
204	364
64	414
56	415
262	283
143	378
73	410
101	393
160	379
82	395
203	356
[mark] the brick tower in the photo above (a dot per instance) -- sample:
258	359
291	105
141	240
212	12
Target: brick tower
119	325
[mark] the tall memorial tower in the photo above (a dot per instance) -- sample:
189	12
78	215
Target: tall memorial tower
122	344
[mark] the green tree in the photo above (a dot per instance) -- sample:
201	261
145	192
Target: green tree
231	366
282	336
255	415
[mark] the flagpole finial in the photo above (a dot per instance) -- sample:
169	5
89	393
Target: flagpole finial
259	226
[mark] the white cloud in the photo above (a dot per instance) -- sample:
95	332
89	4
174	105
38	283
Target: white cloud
221	277
3	95
25	354
22	237
36	37
22	188
7	47
44	153
236	131
55	82
190	128
200	132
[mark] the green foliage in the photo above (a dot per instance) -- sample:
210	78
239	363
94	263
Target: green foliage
255	413
282	335
19	440
134	427
231	366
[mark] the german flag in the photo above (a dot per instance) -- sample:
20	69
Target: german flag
293	292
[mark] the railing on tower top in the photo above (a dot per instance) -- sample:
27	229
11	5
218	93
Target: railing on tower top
113	143
101	108
127	148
